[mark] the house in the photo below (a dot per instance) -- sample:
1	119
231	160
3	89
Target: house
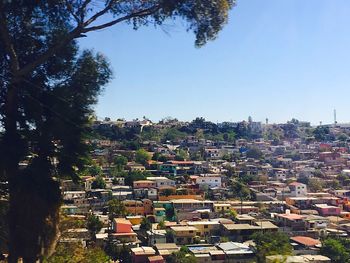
166	249
245	219
135	220
245	209
156	236
237	252
316	222
144	184
208	181
137	207
221	208
119	180
304	242
207	253
239	232
298	259
212	153
184	234
327	210
293	221
191	204
156	259
205	228
123	231
161	181
141	254
298	189
135	167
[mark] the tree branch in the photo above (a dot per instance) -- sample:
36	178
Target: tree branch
141	13
99	14
76	33
6	39
81	10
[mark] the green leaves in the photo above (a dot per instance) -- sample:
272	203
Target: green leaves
338	250
271	243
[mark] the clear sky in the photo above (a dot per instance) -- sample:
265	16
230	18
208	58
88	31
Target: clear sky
275	59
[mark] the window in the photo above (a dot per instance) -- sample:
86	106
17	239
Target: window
205	226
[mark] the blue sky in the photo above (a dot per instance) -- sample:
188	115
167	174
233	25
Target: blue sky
275	59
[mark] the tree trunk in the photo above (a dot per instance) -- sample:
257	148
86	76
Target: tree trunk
11	157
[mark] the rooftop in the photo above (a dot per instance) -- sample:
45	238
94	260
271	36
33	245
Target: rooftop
306	241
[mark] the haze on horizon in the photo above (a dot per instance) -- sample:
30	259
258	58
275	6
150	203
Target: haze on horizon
275	59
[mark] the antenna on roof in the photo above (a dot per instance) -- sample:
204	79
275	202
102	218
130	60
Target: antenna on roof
335	117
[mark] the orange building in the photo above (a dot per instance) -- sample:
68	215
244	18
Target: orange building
144	184
137	207
123	230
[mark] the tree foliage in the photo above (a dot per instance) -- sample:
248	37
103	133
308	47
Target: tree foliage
48	87
338	250
94	225
271	243
182	256
116	208
75	253
98	183
142	156
145	224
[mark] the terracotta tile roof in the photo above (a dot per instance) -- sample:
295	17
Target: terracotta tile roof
306	241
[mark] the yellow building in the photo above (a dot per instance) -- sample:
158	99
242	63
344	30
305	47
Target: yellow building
222	208
184	234
205	228
135	220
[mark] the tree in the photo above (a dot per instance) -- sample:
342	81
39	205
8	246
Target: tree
336	249
168	191
254	153
94	225
315	184
240	190
98	183
156	156
116	252
321	133
120	161
161	225
142	156
232	214
93	170
181	155
75	253
170	213
271	243
116	209
182	256
170	236
47	91
145	224
134	176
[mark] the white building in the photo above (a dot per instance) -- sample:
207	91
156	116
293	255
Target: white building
161	181
298	189
209	181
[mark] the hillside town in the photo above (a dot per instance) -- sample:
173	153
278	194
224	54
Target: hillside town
206	192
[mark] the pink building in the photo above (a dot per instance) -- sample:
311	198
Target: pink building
144	184
328	210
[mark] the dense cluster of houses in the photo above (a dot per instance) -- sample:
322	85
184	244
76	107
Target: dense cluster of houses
295	187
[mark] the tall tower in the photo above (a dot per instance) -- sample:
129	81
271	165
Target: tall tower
335	117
